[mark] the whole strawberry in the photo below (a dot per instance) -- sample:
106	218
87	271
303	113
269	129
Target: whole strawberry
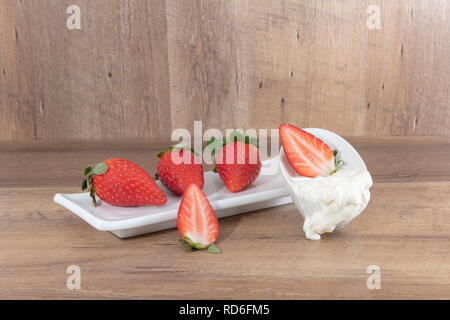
238	165
178	168
122	183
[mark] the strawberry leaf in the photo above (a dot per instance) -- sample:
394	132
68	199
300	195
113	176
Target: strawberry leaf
100	168
187	240
179	147
188	243
210	141
192	150
213	249
92	190
84	185
87	171
251	140
88	182
237	136
245	138
215	145
159	155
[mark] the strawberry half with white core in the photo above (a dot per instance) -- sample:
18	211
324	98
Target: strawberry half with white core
178	168
307	154
122	183
197	222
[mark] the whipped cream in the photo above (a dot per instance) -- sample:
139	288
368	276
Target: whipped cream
330	203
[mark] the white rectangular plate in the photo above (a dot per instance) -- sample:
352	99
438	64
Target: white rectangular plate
269	190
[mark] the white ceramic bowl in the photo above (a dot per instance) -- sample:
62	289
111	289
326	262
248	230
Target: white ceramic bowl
346	153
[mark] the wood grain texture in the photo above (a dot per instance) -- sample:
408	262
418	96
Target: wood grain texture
405	231
139	69
107	80
206	64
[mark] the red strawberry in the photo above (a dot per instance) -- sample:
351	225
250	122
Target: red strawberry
308	155
197	223
178	168
238	164
122	183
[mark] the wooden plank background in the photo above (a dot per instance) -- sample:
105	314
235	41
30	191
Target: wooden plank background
138	69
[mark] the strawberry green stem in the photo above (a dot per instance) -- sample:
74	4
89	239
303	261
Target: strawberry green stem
188	243
337	163
88	181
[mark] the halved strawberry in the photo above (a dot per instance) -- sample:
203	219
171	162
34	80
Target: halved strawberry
197	223
123	183
307	154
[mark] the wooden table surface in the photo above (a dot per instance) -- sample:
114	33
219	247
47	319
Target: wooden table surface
405	231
